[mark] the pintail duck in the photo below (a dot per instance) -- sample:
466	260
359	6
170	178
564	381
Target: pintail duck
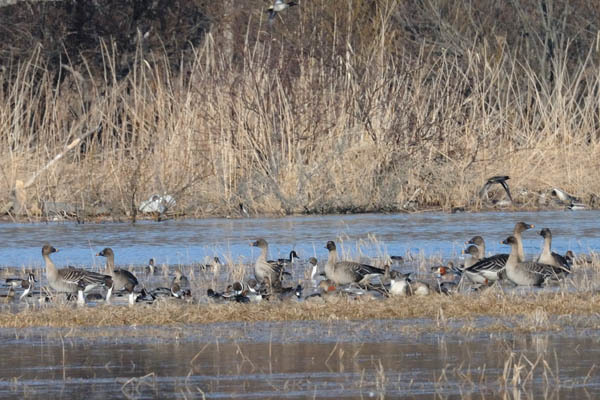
69	280
401	285
290	260
487	269
178	292
548	256
214	263
122	279
265	269
314	268
181	280
501	180
346	272
150	268
528	273
279	6
27	285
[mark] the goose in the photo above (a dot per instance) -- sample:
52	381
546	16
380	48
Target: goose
264	269
69	280
279	6
122	279
487	269
530	273
474	253
480	243
346	272
548	256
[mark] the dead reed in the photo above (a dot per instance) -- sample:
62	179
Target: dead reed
534	311
370	121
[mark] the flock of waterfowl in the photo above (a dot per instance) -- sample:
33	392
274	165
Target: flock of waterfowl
270	280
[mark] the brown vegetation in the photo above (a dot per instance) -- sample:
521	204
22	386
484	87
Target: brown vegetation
335	107
535	309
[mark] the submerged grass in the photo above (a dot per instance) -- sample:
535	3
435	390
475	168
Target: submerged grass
535	311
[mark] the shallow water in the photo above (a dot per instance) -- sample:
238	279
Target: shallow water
381	359
188	241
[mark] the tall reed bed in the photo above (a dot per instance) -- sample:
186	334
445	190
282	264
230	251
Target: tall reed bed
329	109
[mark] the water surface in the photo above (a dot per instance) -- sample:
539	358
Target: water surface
188	241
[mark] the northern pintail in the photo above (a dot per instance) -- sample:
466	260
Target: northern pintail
265	269
399	284
548	256
290	260
214	263
529	273
150	268
346	272
122	279
279	6
69	280
27	285
486	270
314	268
501	180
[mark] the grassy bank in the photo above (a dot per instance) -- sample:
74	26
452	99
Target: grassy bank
535	311
347	107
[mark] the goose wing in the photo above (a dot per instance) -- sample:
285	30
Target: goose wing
562	262
493	263
359	270
77	275
547	271
130	277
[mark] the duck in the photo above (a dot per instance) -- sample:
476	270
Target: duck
279	6
314	268
178	292
290	260
20	282
501	180
326	290
215	262
347	272
548	256
27	285
528	273
122	279
150	268
399	284
70	280
181	280
264	269
487	269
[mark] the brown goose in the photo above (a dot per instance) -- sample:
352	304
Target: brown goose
70	280
486	270
346	272
548	256
528	273
122	279
266	269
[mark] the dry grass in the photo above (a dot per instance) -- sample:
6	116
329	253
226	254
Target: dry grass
534	309
292	126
